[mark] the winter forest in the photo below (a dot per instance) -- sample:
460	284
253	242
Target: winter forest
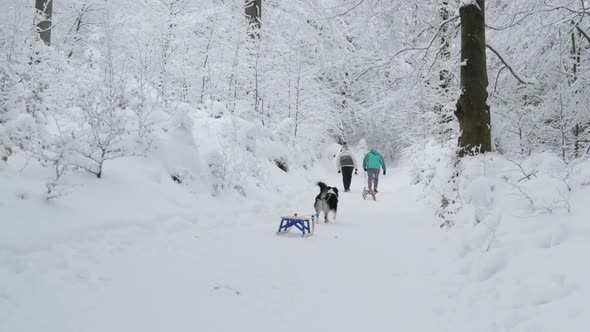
149	149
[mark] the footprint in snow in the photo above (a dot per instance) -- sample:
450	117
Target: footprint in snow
226	288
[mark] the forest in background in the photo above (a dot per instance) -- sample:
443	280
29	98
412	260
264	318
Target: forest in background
97	81
149	149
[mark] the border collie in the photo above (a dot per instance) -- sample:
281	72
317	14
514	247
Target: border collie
326	201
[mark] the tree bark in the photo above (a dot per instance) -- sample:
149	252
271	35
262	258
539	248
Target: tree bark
472	110
45	9
253	13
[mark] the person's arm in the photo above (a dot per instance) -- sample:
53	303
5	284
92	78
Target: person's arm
338	165
365	162
383	164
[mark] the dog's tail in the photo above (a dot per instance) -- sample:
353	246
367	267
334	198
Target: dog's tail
323	187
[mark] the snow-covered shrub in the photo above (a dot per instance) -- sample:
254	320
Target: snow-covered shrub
477	189
284	131
229	148
216	165
175	147
436	167
580	173
15	123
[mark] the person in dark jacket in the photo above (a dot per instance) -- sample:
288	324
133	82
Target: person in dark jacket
346	164
372	164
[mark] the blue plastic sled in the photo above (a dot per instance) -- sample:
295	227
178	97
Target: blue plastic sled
305	224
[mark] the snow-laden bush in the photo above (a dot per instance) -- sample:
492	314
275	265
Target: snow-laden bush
238	153
235	150
436	167
175	147
480	189
15	123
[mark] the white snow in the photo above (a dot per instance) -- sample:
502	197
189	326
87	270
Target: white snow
226	270
147	154
465	3
137	252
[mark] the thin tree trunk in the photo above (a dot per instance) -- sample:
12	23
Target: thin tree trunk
576	56
257	109
289	82
444	116
445	53
297	92
472	110
562	127
233	79
205	62
77	26
45	9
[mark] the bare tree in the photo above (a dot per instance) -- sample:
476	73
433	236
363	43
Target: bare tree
472	110
80	21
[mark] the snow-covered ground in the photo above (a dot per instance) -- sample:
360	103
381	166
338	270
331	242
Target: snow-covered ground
367	270
136	251
381	266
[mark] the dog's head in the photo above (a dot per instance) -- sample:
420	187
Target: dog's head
326	191
332	191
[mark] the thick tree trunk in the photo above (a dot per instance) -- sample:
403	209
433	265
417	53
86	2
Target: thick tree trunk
45	9
472	110
253	13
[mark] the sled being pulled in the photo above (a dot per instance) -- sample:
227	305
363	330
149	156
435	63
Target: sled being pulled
306	224
372	193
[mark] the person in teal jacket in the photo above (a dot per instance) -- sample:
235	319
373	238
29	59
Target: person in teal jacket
372	164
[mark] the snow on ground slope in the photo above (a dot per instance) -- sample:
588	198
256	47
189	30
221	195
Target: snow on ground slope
381	266
360	272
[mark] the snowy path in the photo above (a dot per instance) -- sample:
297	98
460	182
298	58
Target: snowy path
371	270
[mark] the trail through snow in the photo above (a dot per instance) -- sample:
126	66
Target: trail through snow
367	270
380	266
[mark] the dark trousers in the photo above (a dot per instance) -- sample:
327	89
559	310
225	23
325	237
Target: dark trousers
347	176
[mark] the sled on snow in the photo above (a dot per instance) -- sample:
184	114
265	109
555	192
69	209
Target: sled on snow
306	224
372	193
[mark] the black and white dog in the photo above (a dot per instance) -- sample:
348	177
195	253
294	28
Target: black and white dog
326	201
